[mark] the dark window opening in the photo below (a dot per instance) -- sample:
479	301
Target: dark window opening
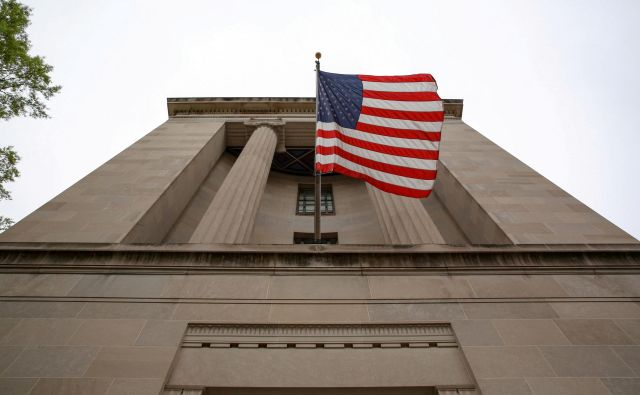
307	238
323	391
307	199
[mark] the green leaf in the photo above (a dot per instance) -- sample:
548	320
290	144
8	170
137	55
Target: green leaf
25	83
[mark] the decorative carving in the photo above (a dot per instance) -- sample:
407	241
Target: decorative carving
310	330
319	336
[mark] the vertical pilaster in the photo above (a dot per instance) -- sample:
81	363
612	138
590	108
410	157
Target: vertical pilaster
231	215
403	220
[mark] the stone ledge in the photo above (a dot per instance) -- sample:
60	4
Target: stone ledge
316	249
147	259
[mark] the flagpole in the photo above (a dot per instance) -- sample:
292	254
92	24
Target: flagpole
317	235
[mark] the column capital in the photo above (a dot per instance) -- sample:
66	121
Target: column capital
271	122
275	124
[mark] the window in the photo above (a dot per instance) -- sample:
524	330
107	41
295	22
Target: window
307	238
306	200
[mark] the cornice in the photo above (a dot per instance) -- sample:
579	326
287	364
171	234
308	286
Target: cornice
164	259
224	106
319	249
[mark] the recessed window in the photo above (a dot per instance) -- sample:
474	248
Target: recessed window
307	238
306	200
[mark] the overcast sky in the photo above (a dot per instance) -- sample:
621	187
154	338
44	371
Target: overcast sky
555	83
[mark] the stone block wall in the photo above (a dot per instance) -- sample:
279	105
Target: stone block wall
484	186
120	333
136	196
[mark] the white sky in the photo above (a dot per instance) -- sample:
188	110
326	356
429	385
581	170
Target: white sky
553	82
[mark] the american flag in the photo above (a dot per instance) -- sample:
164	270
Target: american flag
383	130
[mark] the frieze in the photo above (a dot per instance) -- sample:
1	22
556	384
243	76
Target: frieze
333	336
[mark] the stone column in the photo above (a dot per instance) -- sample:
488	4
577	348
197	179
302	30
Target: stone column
231	215
403	220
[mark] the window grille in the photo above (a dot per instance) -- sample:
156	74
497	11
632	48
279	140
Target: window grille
306	200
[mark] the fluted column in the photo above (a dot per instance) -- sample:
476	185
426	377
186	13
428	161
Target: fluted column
403	220
231	215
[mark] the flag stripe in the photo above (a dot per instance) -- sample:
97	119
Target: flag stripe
381	139
384	130
403	161
383	186
400	123
385	167
403	105
406	182
401	133
402	96
397	78
383	149
430	116
400	86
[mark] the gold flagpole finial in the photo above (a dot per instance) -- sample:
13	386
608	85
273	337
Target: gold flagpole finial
318	55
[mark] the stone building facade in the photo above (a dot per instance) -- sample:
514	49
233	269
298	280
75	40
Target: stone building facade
180	266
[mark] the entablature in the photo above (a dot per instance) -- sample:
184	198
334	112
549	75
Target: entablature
256	106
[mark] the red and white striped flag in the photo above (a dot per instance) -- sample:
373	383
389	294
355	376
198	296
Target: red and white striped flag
383	130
